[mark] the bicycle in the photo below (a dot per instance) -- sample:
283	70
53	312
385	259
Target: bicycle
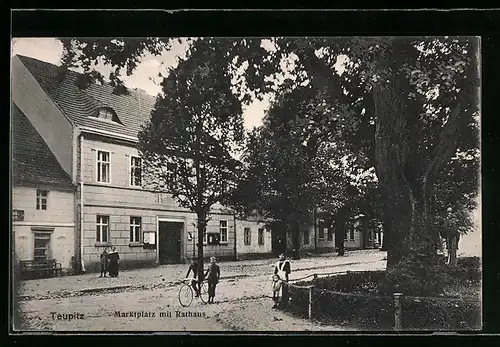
186	293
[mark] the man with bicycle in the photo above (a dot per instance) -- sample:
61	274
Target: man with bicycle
195	283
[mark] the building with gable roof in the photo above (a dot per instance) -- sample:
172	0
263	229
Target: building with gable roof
43	221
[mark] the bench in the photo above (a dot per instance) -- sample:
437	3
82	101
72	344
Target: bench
37	269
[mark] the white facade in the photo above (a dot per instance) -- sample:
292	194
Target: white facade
53	227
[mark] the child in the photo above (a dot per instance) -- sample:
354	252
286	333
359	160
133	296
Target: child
104	262
213	273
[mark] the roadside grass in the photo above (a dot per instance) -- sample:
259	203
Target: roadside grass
358	299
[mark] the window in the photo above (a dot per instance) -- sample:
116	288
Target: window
135	229
103	163
41	247
102	228
107	114
351	234
247	236
41	199
306	237
261	236
205	238
135	171
321	234
223	230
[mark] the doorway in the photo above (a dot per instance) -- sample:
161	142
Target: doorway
41	249
169	242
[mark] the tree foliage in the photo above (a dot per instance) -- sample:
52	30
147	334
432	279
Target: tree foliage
407	105
195	125
282	176
123	54
296	162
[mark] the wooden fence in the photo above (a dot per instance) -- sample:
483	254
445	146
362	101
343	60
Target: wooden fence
396	297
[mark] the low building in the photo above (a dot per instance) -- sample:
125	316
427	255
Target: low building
43	199
254	238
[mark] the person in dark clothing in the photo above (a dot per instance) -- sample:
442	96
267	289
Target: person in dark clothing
195	284
282	271
114	261
280	245
104	262
213	274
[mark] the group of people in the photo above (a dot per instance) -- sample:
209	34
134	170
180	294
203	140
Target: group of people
110	262
282	270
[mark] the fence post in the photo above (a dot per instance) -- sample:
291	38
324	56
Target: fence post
310	311
397	311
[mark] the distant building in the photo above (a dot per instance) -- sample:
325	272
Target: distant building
253	238
43	199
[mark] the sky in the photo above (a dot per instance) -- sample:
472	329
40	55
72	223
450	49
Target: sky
145	76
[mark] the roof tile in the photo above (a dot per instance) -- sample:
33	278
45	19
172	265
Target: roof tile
32	160
133	109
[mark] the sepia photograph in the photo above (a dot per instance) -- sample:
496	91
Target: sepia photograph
248	184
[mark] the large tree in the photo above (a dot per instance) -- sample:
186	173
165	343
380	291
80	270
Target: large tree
424	99
195	125
423	93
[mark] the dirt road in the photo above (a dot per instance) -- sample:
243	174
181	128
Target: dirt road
242	303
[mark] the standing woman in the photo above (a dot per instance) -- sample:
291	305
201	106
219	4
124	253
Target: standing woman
114	261
213	273
282	272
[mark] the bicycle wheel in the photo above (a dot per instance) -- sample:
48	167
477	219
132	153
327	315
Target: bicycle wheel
204	292
185	295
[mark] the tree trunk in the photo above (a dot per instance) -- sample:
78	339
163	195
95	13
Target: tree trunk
340	234
201	212
452	245
385	236
202	229
368	237
397	213
423	241
296	242
401	189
